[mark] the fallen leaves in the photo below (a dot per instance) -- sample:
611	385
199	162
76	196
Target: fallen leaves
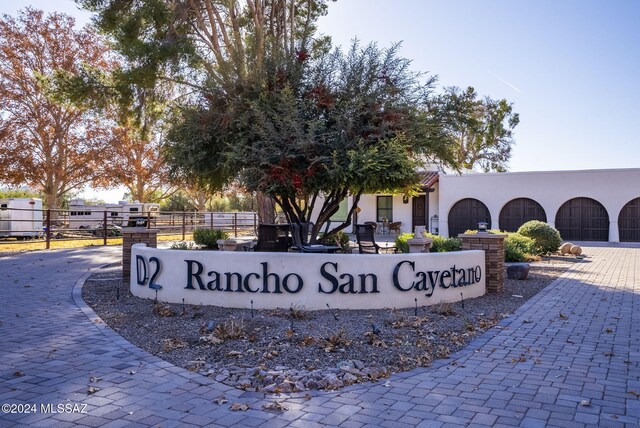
520	359
163	310
563	316
92	390
277	406
221	400
172	343
210	339
239	407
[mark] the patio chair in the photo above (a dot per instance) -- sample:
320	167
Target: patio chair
273	238
365	235
372	224
299	234
395	227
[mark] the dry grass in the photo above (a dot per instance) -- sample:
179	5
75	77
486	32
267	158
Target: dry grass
73	243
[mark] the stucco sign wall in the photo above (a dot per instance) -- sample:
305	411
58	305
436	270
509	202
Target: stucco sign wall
279	280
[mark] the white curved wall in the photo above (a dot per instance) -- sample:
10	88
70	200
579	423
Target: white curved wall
613	188
279	280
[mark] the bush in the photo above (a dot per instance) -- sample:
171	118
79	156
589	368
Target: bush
440	244
547	238
182	245
401	242
444	245
209	237
340	239
518	248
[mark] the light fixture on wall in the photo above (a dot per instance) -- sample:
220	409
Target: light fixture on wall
405	199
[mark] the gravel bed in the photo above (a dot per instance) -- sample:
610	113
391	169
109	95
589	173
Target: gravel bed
292	349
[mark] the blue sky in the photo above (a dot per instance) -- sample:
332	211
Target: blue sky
569	67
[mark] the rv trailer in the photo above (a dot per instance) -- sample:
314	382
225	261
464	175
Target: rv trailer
83	216
21	218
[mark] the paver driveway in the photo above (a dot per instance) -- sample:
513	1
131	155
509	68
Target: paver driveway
576	342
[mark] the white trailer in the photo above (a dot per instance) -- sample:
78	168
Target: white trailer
21	218
83	216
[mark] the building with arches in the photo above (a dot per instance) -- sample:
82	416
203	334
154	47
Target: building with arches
586	205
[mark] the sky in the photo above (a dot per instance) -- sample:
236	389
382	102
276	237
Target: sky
570	68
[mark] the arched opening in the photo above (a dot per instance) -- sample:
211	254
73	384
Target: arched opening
519	211
466	214
629	221
583	219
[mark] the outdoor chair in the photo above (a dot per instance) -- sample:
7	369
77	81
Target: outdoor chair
273	238
395	227
372	224
299	235
365	235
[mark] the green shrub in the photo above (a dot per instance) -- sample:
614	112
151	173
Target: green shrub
209	237
340	239
518	248
401	242
182	245
547	238
444	245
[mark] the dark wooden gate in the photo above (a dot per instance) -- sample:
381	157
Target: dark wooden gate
419	211
583	219
629	221
466	214
519	211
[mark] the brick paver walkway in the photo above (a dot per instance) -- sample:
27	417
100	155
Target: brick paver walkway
569	357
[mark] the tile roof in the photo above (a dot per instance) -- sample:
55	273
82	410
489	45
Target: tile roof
428	178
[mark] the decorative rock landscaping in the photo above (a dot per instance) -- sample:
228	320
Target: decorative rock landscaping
292	349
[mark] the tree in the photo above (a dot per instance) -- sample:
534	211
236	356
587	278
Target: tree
208	45
137	162
19	193
49	146
482	129
317	130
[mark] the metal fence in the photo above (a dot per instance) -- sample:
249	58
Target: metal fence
20	224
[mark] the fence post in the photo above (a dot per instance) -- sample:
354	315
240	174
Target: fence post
255	223
48	234
104	227
211	216
235	224
184	224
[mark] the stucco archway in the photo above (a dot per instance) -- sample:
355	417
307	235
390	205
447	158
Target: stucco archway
518	211
465	214
583	219
629	221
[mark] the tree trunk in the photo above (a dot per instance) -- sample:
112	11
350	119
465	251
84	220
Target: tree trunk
266	209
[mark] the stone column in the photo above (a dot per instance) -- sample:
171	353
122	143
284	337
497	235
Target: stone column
493	247
135	235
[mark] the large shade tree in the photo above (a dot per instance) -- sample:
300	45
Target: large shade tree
50	146
480	128
207	45
315	131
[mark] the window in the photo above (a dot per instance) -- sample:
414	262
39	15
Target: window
384	208
133	210
3	207
343	211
